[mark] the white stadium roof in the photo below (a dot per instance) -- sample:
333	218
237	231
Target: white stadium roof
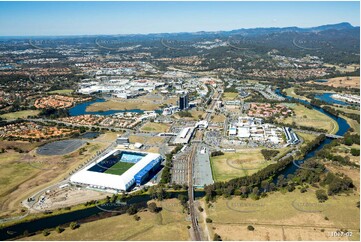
106	180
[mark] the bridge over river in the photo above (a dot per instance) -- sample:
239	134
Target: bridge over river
332	136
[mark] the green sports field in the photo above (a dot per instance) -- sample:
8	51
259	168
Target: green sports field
119	168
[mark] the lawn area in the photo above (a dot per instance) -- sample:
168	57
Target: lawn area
353	124
20	114
289	216
123	105
291	92
312	118
146	139
63	91
229	95
119	168
14	171
218	118
347	110
195	114
352	81
155	127
306	137
167	225
147	103
241	163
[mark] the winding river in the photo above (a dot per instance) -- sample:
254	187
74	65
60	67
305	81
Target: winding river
342	124
95	212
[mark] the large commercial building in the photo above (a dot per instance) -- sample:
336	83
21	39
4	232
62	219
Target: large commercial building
291	136
255	130
183	102
184	136
119	170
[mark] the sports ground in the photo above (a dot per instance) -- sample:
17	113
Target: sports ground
119	168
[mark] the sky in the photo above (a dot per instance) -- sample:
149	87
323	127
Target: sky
91	18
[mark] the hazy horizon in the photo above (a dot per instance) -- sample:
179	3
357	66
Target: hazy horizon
21	19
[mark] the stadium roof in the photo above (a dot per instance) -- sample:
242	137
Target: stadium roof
111	181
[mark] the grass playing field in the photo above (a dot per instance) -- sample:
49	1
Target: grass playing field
119	168
230	95
242	163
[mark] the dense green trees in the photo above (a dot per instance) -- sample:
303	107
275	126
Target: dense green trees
269	154
321	195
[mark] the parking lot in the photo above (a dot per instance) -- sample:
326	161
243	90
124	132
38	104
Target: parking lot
213	138
202	174
180	167
62	147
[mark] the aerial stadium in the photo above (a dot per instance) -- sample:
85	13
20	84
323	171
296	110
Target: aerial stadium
119	170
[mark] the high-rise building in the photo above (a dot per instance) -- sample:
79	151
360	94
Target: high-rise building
183	102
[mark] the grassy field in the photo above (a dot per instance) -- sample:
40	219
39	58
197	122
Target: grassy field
148	103
218	118
195	114
352	81
306	137
119	168
20	114
146	140
22	174
348	68
63	91
229	95
312	118
242	163
346	110
353	124
155	127
123	105
291	92
289	216
168	225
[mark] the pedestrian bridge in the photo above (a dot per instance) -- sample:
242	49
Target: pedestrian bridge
332	136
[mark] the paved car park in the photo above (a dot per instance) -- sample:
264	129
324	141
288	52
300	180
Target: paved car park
180	167
202	174
62	147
